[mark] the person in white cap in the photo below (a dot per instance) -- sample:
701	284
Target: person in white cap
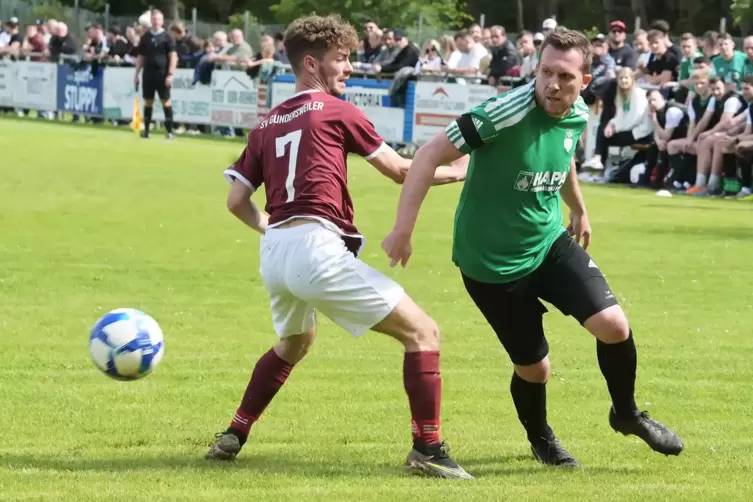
548	26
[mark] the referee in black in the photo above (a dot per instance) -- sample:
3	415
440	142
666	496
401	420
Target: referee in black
158	59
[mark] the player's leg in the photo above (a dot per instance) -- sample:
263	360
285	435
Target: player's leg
719	148
516	315
676	161
358	298
149	90
576	286
704	150
167	105
294	321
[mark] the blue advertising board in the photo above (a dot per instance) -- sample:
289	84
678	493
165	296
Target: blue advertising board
80	89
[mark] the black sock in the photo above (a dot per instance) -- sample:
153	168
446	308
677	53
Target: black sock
242	436
676	168
147	118
745	171
530	403
169	119
618	363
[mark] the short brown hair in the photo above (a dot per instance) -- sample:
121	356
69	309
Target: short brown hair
726	36
655	35
748	79
315	35
462	34
563	39
177	28
687	36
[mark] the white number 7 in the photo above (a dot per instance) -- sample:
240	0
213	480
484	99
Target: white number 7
294	138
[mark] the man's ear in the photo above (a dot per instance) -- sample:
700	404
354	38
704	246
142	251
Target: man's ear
586	81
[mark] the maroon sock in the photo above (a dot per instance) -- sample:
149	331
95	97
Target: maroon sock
423	384
269	374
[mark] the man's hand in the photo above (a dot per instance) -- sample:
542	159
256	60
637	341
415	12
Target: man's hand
609	130
661	145
376	68
398	247
580	229
136	79
169	81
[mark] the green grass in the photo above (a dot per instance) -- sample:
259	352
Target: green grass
94	219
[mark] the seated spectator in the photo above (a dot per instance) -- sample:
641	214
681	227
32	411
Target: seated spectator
486	38
723	159
504	55
727	117
669	123
631	123
730	63
406	57
602	70
744	152
681	151
662	27
528	55
372	48
623	54
710	46
690	52
466	60
663	65
431	61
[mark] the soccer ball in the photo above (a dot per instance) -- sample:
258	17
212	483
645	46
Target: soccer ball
126	344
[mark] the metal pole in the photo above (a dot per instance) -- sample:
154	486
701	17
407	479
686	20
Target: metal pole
637	23
194	17
107	17
76	17
246	20
419	35
723	25
482	20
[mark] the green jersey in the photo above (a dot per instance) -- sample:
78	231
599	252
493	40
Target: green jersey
509	212
686	66
747	68
731	71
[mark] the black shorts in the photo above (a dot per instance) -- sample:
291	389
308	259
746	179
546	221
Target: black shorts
153	82
567	278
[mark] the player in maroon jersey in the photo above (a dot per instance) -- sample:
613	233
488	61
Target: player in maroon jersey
309	248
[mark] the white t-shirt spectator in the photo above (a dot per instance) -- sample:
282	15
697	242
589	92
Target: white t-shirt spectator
709	108
470	59
732	105
4	38
429	64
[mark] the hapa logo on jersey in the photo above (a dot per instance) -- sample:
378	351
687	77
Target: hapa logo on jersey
546	181
569	140
440	92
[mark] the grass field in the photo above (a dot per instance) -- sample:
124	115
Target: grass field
94	219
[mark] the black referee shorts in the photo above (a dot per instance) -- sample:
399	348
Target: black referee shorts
154	83
568	279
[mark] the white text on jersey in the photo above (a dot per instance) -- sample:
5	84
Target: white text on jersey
281	119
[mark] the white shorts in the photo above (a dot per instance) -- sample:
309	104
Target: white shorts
308	268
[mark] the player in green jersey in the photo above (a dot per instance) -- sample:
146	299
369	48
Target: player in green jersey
730	64
512	248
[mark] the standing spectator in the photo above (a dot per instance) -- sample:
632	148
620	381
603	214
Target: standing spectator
730	63
446	47
476	32
748	48
711	44
663	27
631	123
504	55
220	43
33	45
375	44
527	52
51	29
238	51
690	52
406	57
467	58
389	49
13	47
119	46
280	54
431	61
486	38
203	71
642	51
158	59
4	36
663	66
370	47
178	33
623	54
96	46
62	43
602	70
548	26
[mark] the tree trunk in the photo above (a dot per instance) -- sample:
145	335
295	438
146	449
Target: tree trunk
519	19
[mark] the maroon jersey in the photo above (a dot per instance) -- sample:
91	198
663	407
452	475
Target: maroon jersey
299	152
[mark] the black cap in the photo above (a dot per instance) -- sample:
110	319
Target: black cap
399	34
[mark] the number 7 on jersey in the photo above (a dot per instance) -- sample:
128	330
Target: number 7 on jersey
294	138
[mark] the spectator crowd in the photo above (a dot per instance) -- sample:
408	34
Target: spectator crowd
672	115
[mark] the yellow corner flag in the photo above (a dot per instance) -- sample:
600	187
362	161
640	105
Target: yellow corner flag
136	121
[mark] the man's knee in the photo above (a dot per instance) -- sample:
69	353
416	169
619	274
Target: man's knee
411	326
294	348
534	373
148	102
609	326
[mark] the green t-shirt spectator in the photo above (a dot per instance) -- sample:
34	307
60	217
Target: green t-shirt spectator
241	51
686	66
747	68
731	71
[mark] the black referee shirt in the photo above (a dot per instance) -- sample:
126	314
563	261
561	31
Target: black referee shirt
155	48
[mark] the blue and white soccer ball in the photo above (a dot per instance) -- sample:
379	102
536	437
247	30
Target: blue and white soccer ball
126	344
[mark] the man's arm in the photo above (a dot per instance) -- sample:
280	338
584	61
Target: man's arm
392	165
571	194
240	204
